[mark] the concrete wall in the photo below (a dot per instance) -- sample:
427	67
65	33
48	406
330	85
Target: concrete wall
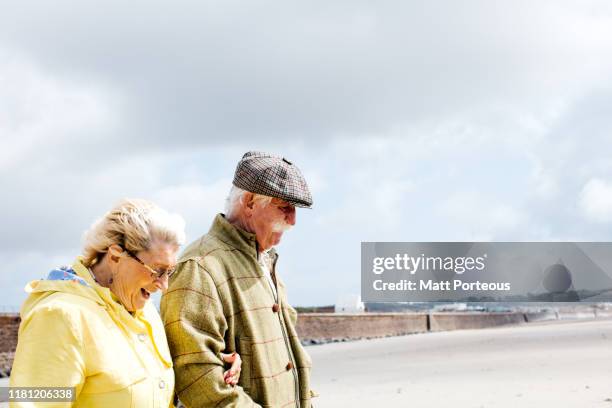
568	314
603	313
316	328
323	327
462	321
541	316
9	326
327	326
6	361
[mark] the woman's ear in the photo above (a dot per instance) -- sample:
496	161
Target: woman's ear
114	253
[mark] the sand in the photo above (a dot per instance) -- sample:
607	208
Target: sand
557	364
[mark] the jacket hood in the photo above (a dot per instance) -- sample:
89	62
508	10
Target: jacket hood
77	280
64	279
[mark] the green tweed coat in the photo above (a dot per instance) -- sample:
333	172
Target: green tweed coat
220	301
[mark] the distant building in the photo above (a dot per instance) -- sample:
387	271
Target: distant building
451	307
349	304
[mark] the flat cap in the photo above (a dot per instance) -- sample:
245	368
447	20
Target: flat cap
273	176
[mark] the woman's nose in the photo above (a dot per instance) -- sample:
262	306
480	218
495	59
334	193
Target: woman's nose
161	283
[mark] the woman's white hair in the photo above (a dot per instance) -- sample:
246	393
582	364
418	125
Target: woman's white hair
135	225
235	199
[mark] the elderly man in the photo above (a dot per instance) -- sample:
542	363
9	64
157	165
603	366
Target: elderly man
226	297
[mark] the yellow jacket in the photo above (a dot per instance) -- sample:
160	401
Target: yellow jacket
77	335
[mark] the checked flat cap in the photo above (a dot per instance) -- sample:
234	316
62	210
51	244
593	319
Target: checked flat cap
273	176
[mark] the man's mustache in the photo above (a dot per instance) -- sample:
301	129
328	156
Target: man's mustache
280	226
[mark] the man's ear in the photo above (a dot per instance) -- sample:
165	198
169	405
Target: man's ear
114	252
248	201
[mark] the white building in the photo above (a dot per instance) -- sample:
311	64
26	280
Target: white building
349	304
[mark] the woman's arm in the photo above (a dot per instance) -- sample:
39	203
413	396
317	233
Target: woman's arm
49	353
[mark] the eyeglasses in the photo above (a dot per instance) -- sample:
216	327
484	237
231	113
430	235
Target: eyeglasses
157	274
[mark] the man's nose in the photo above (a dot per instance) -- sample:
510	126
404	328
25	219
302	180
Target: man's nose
290	218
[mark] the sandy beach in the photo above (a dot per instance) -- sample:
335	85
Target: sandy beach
557	364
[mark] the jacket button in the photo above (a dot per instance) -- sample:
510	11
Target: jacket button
162	384
142	337
275	308
289	366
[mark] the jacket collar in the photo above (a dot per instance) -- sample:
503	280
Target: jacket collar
118	313
236	237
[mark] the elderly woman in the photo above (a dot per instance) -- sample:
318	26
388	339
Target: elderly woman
91	326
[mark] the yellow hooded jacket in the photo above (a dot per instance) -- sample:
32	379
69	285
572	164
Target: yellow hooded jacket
78	335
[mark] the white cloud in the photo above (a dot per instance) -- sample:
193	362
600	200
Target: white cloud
373	208
595	200
38	110
21	267
310	70
412	121
478	217
197	203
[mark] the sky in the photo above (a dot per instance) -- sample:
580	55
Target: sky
412	121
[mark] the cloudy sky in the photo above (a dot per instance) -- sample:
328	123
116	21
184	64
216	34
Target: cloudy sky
412	121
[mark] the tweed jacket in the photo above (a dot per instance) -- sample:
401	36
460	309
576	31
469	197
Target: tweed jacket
219	300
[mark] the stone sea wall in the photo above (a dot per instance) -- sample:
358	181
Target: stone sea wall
9	326
317	328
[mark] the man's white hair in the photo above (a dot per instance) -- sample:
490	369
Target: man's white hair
235	199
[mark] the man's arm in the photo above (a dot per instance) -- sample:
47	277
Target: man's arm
195	326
